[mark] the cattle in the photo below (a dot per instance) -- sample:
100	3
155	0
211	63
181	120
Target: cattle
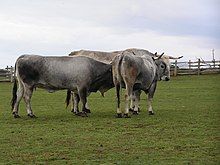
107	57
137	73
104	57
79	74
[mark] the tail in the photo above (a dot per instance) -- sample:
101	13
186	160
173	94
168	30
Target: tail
116	66
68	97
117	78
14	94
119	66
119	74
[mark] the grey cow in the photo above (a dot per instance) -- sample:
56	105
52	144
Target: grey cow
81	75
137	73
107	57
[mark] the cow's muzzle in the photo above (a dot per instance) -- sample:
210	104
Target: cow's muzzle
165	78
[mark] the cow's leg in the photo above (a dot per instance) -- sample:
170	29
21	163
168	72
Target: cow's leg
119	113
151	92
75	100
83	97
138	97
19	94
27	99
128	95
87	110
150	109
136	100
131	109
76	104
129	74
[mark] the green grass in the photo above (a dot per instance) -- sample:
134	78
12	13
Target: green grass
184	130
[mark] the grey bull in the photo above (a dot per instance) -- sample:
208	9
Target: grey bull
137	73
81	75
107	57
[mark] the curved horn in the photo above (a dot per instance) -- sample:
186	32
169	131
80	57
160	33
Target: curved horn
160	55
133	52
174	58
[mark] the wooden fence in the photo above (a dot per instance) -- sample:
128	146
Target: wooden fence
7	74
195	67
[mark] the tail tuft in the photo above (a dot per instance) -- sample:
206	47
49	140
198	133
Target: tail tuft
14	94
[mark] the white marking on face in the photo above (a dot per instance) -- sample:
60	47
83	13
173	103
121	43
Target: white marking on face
166	60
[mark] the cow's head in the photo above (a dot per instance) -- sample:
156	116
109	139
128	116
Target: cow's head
163	68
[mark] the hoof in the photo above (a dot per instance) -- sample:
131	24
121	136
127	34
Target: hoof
119	115
151	113
87	110
15	115
32	116
127	115
131	109
135	112
73	111
82	114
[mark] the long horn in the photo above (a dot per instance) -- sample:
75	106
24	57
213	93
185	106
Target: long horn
174	58
160	55
157	56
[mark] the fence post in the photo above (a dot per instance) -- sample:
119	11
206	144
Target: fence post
213	63
7	68
199	71
11	74
175	69
189	64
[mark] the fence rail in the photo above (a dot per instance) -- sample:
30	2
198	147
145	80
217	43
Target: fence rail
195	67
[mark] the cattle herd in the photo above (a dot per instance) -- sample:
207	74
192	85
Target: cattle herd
83	72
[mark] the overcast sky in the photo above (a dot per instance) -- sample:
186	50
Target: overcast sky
56	27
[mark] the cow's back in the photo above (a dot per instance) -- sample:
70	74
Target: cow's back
60	72
81	71
105	57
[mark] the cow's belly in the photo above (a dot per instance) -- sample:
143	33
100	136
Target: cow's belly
56	83
143	84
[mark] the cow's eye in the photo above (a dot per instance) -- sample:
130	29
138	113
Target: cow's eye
162	66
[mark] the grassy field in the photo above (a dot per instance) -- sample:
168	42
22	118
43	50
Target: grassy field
184	130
